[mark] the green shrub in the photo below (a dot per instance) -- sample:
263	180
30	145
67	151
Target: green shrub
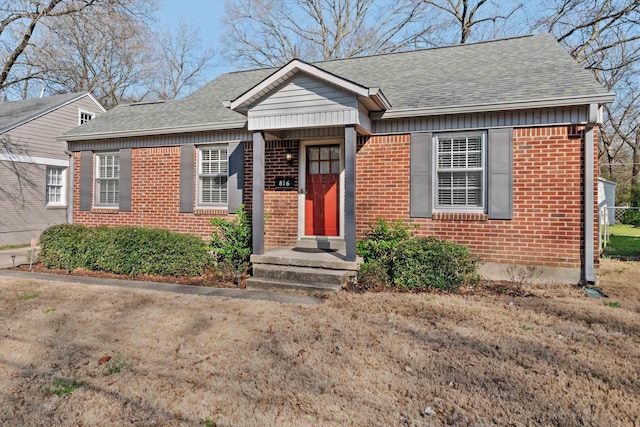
372	275
432	263
123	250
631	217
231	240
64	246
378	249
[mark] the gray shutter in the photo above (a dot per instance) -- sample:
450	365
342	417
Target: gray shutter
235	183
86	179
124	196
186	178
421	175
499	163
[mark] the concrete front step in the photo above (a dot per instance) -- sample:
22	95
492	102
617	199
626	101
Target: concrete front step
305	260
290	285
301	274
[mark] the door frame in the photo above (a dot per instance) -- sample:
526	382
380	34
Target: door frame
302	179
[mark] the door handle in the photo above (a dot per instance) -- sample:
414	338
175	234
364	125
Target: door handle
302	191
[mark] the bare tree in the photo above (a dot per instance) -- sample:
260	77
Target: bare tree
604	35
22	20
179	62
75	54
462	16
272	32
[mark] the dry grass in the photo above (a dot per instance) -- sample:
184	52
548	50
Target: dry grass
553	358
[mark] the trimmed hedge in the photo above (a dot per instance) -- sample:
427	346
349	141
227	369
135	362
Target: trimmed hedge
393	257
123	250
432	263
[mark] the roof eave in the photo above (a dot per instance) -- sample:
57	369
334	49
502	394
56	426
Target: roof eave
499	106
156	131
50	109
285	72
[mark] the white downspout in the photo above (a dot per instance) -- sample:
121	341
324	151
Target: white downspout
70	184
589	221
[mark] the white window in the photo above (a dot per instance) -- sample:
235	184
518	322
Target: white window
107	173
55	186
212	175
460	181
85	116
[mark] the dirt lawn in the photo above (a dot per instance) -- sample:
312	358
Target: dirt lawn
554	357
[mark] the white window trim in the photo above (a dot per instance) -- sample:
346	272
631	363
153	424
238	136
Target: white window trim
88	113
464	209
96	168
199	203
63	187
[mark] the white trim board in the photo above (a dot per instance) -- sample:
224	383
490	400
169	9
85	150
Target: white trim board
34	160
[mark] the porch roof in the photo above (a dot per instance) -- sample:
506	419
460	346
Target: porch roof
515	73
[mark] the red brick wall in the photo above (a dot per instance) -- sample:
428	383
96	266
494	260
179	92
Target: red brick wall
280	207
547	193
545	229
155	196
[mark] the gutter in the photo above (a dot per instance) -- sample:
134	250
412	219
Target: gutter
588	273
70	174
497	106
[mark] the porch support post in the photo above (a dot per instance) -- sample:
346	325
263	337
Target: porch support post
258	193
350	142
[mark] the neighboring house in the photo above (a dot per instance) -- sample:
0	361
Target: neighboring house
34	181
486	144
607	201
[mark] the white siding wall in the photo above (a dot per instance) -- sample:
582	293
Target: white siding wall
37	137
22	197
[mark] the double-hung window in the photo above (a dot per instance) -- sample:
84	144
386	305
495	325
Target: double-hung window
107	178
460	171
85	116
55	186
212	175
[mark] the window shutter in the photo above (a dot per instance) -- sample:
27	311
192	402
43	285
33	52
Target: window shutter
124	196
86	179
235	181
500	159
186	178
421	175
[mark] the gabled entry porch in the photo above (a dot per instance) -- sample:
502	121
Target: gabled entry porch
324	114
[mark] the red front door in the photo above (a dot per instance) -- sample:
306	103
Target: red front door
322	192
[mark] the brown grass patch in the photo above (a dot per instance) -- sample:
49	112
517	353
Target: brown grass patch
553	357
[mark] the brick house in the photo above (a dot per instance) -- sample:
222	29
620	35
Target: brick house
33	165
490	144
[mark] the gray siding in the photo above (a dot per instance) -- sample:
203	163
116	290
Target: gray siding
304	94
161	140
37	137
304	102
539	117
22	197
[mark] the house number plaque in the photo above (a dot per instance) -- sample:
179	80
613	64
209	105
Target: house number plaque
285	184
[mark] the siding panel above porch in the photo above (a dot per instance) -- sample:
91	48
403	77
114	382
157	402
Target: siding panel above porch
305	102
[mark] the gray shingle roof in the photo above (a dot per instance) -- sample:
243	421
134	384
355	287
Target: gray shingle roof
15	113
501	71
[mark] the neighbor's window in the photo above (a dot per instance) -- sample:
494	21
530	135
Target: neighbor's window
460	171
55	185
85	116
107	190
212	175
